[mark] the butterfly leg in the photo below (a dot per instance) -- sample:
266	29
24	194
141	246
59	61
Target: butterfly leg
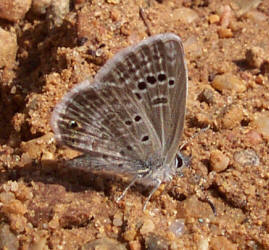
151	193
127	188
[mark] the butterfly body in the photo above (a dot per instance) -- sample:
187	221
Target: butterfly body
130	119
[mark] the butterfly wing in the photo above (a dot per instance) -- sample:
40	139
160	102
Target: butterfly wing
156	73
135	107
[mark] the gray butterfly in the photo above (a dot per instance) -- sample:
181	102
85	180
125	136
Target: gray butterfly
129	121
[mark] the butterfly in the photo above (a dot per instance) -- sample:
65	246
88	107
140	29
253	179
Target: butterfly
130	119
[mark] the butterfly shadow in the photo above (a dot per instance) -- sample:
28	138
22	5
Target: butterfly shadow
55	172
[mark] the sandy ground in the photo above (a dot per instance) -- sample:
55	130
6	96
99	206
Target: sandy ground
221	200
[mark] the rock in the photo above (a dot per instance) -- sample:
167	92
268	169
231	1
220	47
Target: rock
193	46
57	12
221	242
247	157
194	208
252	137
15	207
232	117
104	243
178	227
8	240
265	67
218	161
213	19
202	242
256	16
113	1
148	227
255	57
117	220
225	33
207	95
261	122
260	79
130	233
35	147
40	6
14	10
229	82
226	14
39	241
267	222
185	15
9	47
135	245
245	6
155	242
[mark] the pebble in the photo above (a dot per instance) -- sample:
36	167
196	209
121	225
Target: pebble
267	222
130	233
207	95
115	15
6	197
225	33
14	10
203	243
252	137
35	147
40	6
221	242
193	46
104	243
57	12
192	208
265	67
246	5
155	242
178	227
9	47
247	157
117	220
135	245
202	120
39	241
14	207
213	19
148	227
228	81
226	14
255	57
185	15
113	1
218	161
256	16
259	79
232	117
261	122
8	239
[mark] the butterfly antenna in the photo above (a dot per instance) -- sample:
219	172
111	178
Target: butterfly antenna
192	137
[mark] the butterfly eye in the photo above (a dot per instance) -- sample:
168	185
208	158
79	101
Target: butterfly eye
73	125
